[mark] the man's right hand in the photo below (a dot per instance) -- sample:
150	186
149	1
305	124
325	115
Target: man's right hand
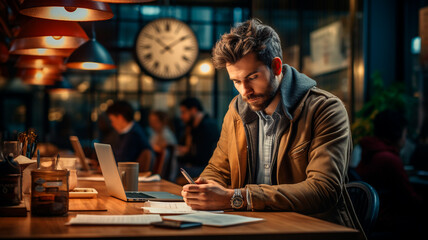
207	195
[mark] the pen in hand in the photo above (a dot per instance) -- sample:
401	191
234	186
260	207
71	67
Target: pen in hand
187	176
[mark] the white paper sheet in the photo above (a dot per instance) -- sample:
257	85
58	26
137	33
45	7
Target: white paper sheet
86	219
213	219
169	208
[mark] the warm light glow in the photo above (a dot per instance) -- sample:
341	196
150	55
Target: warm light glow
38	75
83	87
205	68
103	107
38	63
41	51
61	13
94	116
91	65
137	116
194	80
55	41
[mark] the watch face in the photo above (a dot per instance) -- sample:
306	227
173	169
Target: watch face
237	202
167	48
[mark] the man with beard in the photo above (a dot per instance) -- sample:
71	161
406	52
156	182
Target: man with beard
200	137
284	145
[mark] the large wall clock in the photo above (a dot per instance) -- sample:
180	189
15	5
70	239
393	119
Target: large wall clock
166	49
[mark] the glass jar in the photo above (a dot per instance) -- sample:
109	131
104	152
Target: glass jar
49	192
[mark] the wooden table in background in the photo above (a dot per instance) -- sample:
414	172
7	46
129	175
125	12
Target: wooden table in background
277	225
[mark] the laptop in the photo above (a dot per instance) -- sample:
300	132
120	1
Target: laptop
78	150
114	182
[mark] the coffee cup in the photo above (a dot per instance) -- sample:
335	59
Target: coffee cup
129	174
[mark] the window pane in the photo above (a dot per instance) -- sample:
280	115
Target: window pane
150	12
204	33
223	15
127	33
128	82
222	29
129	11
128	63
202	14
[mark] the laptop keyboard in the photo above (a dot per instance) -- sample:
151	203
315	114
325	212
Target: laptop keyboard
137	195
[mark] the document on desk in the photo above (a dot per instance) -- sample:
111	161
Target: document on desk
214	219
86	219
168	208
152	178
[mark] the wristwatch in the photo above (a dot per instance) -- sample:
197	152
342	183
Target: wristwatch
237	201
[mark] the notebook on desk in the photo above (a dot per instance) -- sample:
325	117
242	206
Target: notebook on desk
114	182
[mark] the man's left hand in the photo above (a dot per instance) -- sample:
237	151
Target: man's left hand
207	195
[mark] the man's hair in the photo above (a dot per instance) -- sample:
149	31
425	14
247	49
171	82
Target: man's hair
389	124
248	37
192	102
121	108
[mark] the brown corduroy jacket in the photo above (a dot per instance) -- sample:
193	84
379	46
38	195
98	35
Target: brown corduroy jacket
312	154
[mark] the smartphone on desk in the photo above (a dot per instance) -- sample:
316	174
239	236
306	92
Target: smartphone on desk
177	224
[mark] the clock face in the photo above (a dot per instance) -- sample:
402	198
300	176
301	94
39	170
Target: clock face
167	48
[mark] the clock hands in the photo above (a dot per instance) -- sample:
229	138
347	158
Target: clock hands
165	47
169	46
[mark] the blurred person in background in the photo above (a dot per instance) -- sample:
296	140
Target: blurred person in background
132	144
164	143
200	137
382	167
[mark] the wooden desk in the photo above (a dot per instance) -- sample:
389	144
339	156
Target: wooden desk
278	225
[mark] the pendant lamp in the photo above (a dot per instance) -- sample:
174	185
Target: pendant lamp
125	1
67	10
48	38
40	62
62	85
91	56
39	73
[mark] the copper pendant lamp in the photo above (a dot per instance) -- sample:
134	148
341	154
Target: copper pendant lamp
48	38
91	56
38	78
125	1
39	73
40	62
67	10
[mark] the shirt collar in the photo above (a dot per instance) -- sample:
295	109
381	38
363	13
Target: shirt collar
127	128
275	115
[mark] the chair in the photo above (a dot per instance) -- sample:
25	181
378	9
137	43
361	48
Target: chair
366	203
163	162
145	160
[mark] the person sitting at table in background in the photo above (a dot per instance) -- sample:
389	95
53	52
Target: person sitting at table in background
132	144
200	137
382	167
163	139
284	145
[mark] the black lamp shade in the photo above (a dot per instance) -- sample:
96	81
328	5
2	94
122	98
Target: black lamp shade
91	56
62	85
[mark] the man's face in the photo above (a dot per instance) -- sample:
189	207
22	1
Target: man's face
254	81
187	115
155	122
116	121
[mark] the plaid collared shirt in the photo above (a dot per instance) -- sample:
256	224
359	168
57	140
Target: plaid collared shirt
267	140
